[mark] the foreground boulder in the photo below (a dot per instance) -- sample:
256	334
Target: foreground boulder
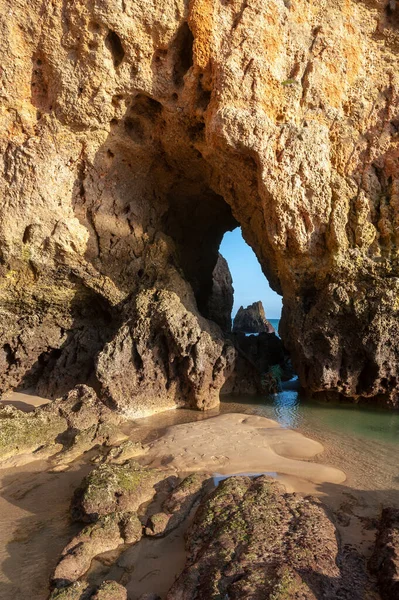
113	488
251	540
385	560
114	500
252	320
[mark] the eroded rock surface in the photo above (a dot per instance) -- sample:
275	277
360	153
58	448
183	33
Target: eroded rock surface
251	540
385	560
220	302
72	424
111	488
252	320
134	135
164	356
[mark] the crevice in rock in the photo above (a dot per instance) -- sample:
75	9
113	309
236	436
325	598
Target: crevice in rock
183	45
114	45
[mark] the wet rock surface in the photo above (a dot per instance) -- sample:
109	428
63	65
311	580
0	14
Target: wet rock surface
252	319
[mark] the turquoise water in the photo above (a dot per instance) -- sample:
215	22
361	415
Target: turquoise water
275	323
362	441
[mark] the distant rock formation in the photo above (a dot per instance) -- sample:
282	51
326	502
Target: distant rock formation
252	320
220	303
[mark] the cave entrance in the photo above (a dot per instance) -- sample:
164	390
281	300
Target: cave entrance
249	283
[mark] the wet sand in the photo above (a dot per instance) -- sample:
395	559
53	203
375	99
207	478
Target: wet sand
235	443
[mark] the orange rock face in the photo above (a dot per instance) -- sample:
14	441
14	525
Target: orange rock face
134	135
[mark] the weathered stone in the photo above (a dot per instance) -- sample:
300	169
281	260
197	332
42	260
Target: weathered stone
385	560
261	364
177	505
112	488
110	590
125	451
102	536
171	357
252	320
134	135
220	302
250	540
107	533
77	591
21	432
74	423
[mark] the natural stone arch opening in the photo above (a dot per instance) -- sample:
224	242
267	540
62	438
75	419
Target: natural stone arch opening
286	124
249	282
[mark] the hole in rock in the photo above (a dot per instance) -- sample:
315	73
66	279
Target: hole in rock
114	45
183	45
197	219
135	130
249	282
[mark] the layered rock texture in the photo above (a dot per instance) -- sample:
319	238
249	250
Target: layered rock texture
135	134
252	320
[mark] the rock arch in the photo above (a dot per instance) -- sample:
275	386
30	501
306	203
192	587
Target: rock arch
151	143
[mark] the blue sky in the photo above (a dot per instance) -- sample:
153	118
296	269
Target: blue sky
249	282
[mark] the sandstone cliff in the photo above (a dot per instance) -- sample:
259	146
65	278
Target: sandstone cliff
135	134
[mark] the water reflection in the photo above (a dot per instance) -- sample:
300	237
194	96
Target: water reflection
286	404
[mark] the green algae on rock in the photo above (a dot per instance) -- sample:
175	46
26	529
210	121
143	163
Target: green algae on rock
250	539
108	590
73	424
110	488
23	433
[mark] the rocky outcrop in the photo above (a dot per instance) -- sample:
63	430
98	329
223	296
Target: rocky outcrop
251	540
252	320
385	560
170	357
177	506
171	360
116	501
112	488
220	302
135	135
260	365
71	425
109	590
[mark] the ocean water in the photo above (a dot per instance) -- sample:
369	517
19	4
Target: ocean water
360	440
275	323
